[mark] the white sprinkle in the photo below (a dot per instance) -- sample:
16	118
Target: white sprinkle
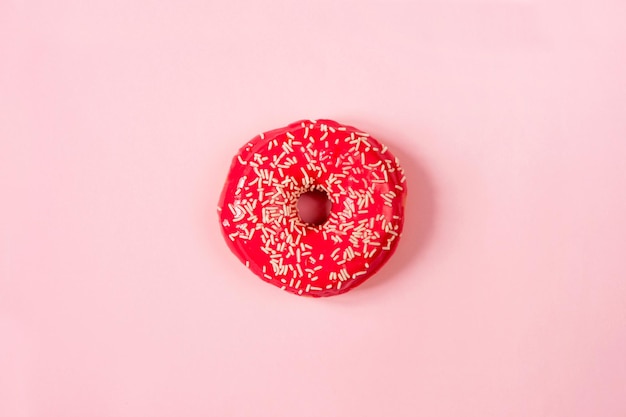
344	273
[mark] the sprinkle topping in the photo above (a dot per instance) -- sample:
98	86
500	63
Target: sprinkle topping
364	182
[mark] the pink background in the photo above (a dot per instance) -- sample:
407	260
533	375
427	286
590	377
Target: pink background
507	296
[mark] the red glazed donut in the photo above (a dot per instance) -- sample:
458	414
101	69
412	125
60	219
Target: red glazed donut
259	215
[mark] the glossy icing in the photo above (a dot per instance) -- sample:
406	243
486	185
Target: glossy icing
259	219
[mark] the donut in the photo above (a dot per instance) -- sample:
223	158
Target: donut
364	191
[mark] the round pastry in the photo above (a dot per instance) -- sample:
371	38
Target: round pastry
314	208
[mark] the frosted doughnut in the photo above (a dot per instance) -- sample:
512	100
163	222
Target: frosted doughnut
258	207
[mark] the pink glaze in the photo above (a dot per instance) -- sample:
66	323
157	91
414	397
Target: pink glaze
260	222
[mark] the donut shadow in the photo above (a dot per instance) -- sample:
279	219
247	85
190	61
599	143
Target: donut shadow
419	223
420	213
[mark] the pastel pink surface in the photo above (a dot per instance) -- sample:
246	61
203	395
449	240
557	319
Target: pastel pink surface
506	297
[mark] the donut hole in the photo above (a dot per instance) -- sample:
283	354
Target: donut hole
314	207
